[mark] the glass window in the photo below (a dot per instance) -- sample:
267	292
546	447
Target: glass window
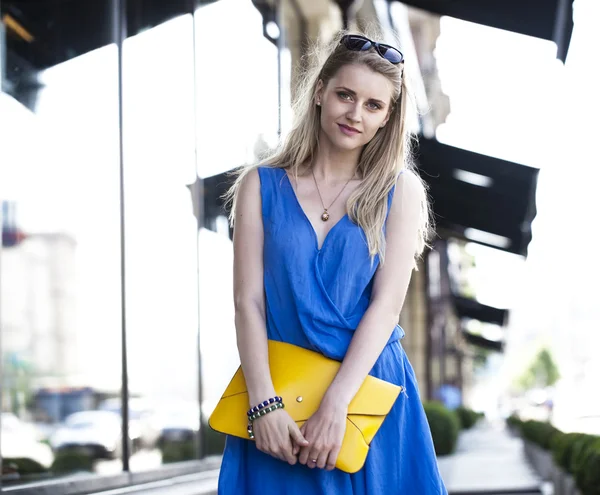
237	95
161	244
60	296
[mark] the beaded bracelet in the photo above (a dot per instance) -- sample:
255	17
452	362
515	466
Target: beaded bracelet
264	404
262	412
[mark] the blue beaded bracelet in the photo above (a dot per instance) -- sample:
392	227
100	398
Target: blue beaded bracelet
264	404
266	410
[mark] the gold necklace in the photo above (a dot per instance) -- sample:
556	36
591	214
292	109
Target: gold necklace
325	214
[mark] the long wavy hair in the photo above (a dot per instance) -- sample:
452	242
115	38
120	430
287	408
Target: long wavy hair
381	160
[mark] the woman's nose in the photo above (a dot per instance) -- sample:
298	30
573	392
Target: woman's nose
354	113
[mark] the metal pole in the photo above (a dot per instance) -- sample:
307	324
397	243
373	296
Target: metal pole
119	24
198	192
280	47
2	59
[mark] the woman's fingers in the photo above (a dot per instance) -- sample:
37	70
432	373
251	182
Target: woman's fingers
313	458
276	434
303	457
332	458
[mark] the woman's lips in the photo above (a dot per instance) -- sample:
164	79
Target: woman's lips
349	131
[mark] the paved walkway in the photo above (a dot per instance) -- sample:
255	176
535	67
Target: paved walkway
488	461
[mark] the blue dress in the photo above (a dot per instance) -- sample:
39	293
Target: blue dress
315	298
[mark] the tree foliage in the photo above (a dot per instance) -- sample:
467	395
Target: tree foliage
542	372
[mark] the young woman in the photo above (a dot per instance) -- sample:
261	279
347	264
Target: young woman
326	237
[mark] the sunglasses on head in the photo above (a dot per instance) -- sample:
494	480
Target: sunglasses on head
359	43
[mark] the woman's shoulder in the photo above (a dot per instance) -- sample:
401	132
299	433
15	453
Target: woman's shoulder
409	181
408	192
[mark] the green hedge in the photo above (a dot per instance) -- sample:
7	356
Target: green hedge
444	426
562	447
176	451
576	453
467	417
582	462
514	421
22	465
587	466
67	461
539	432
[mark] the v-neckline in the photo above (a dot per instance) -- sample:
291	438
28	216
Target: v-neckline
310	224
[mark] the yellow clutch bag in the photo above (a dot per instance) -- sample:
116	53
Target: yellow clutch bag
301	377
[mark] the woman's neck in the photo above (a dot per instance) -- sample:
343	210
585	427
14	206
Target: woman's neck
333	165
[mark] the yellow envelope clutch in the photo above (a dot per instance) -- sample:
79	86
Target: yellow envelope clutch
301	377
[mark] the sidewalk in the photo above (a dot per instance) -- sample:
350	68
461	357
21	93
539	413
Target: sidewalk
488	461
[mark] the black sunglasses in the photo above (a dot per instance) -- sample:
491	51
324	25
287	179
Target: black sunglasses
359	43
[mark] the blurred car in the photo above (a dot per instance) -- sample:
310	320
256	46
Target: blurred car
178	423
19	440
144	430
95	433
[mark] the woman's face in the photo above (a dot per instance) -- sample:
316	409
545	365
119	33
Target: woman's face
355	104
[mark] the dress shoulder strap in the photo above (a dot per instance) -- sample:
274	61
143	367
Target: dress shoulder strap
271	179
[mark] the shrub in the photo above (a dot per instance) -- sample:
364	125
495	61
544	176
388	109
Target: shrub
587	475
444	425
67	461
22	465
185	450
514	420
538	432
562	448
177	451
579	451
214	441
467	417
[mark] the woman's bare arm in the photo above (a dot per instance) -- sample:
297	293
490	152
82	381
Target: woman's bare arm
276	433
248	288
389	290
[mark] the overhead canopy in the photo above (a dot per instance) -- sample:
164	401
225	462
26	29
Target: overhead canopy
479	341
50	32
470	308
474	191
546	19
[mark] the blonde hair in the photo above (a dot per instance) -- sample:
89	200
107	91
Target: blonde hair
382	159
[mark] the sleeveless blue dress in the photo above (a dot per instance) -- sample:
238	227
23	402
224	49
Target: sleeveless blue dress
315	298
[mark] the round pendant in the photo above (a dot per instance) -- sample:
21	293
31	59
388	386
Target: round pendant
325	216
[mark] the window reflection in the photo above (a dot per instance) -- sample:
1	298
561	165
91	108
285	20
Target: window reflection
237	101
60	255
161	251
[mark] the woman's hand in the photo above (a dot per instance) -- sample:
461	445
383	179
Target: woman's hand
278	435
325	431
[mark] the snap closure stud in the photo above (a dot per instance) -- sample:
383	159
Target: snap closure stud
299	398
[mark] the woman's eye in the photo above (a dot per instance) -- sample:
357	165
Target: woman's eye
344	96
374	106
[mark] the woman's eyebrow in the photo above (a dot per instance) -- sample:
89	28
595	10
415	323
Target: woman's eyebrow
353	93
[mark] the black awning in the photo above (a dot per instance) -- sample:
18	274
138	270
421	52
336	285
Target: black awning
62	30
546	19
479	341
503	206
470	308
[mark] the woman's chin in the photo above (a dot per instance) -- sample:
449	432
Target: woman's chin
345	143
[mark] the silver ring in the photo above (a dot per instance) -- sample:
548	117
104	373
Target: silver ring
313	460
